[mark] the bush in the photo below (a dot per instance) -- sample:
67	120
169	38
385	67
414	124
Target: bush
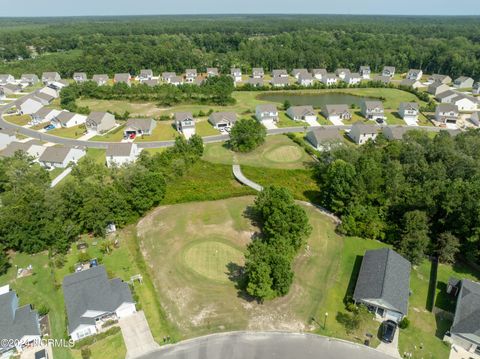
95	338
86	353
59	261
351	307
83	257
43	310
404	323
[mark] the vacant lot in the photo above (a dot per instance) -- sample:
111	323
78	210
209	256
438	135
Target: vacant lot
277	152
194	253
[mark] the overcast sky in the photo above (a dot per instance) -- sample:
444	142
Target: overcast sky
160	7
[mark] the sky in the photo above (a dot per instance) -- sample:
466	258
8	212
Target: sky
160	7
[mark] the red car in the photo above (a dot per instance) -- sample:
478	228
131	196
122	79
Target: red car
132	136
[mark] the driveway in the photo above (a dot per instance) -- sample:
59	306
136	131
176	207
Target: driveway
337	122
410	122
391	348
137	336
312	123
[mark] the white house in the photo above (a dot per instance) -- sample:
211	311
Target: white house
190	75
119	154
446	113
6	137
476	88
388	71
342	73
145	74
278	81
409	111
324	138
32	148
68	119
60	156
185	123
411	83
353	78
212	72
444	79
49	77
414	74
365	72
45	114
361	133
91	299
267	115
330	79
28	105
80	77
50	91
373	110
474	118
236	74
305	79
6	79
101	79
302	113
319	73
280	73
100	122
437	88
29	79
167	76
297	72
122	78
139	127
258	73
465	103
176	80
336	113
463	82
222	120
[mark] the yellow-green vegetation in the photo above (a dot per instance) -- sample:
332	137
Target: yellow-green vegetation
96	154
143	109
69	132
113	345
204	128
164	131
198	303
115	135
277	152
285	121
20	120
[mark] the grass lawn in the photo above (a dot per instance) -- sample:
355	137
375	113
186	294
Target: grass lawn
55	172
115	135
97	154
70	132
277	152
285	121
20	120
143	109
113	345
204	128
199	246
164	131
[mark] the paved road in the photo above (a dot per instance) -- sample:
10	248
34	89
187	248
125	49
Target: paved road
271	345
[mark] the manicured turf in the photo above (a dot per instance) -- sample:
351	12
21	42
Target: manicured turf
164	131
277	152
70	132
113	345
20	120
204	128
115	135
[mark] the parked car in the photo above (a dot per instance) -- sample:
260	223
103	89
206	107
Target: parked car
389	327
49	127
132	136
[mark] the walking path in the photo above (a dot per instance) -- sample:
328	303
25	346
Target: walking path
60	177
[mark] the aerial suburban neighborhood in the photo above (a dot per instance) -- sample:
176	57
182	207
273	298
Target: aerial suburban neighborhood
240	186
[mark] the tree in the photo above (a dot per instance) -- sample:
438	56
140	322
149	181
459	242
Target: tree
448	247
4	263
338	186
414	239
246	135
259	280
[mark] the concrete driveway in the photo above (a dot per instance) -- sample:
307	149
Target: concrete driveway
391	348
312	123
137	336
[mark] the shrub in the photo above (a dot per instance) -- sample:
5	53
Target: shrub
86	353
83	257
43	310
404	323
351	307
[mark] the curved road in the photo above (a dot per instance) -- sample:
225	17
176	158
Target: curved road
265	345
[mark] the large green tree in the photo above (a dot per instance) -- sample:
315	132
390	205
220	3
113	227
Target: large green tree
246	135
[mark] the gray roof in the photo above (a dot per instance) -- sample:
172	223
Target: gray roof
462	79
101	77
119	149
365	127
44	96
407	82
43	112
54	154
267	108
345	71
254	82
12	87
276	73
323	134
181	116
372	105
16	322
438	77
409	105
385	277
446	94
446	107
395	132
191	72
92	290
212	70
151	83
467	312
389	68
29	77
146	72
300	111
218	117
257	70
319	71
15	146
122	77
97	117
4	77
305	76
384	79
81	75
50	75
336	109
142	124
296	72
166	75
279	80
65	116
364	68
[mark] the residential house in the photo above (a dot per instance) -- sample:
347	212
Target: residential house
101	80
28	105
145	75
278	81
373	110
122	78
330	79
302	113
185	123
68	119
463	82
465	102
50	90
353	78
280	73
10	89
176	80
395	133
297	72
444	79
388	71
365	72
342	73
167	76
91	299
19	325
361	133
305	79
258	73
151	83
80	77
324	138
319	73
336	113
190	75
446	113
255	82
476	88
120	154
236	74
139	127
383	284
222	120
6	79
100	122
383	79
48	77
32	148
29	79
43	97
414	74
60	156
437	88
45	114
6	138
465	330
267	115
447	96
212	72
409	111
474	118
411	83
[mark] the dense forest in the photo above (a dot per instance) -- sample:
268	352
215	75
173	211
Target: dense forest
422	195
449	45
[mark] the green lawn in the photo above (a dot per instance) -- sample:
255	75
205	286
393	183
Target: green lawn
143	109
164	131
96	154
113	345
285	121
115	135
20	120
70	132
204	128
277	152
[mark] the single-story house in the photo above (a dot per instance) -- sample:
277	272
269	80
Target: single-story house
122	78
68	119
444	79
28	105
10	89
476	88
305	79
100	122
465	102
383	284
394	133
278	81
91	299
43	97
353	78
465	330
319	73
373	110
388	71
48	77
212	72
119	154
258	73
185	123
145	75
446	113
437	88
302	113
474	118
255	81
29	79
409	111
167	76
19	325
80	77
139	126
6	138
383	79
190	75
361	133
463	82
342	73
297	72
151	83
267	114
236	74
414	74
280	73
447	96
45	114
32	148
6	79
176	80
335	113
324	138
411	83
101	79
50	90
60	156
365	72
222	120
330	79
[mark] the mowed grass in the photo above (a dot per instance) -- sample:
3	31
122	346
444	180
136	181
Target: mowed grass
70	132
20	120
207	300
277	152
164	131
113	345
143	109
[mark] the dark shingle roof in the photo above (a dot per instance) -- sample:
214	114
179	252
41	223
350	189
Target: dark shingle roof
385	277
467	312
119	149
54	154
218	117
